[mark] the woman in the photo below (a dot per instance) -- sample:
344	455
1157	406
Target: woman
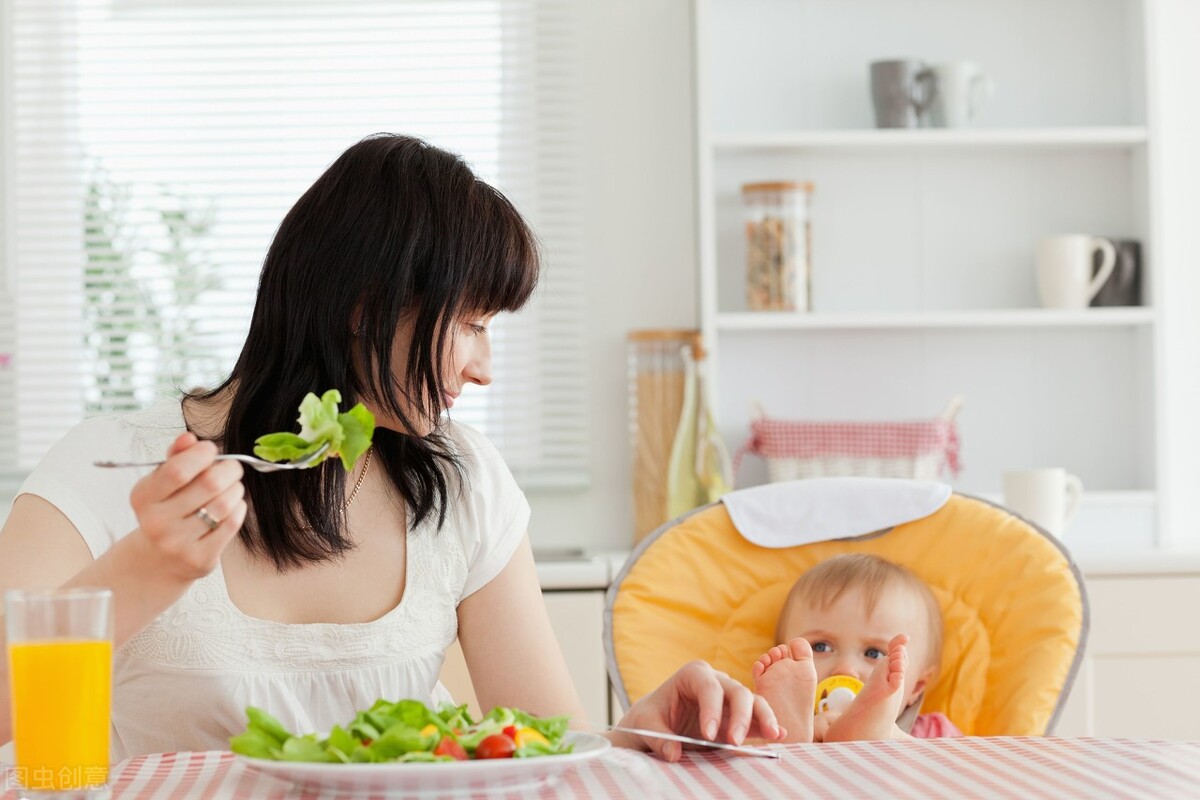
312	593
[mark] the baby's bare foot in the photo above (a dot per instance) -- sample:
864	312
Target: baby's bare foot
786	677
873	713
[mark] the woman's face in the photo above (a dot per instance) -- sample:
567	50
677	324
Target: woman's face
466	358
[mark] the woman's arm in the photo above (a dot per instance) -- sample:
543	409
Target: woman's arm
509	646
514	660
150	568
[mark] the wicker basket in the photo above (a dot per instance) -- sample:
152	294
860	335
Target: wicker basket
918	449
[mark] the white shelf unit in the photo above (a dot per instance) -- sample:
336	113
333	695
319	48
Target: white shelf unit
923	284
940	140
991	318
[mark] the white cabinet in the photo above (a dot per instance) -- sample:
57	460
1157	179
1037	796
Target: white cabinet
923	284
1137	679
578	621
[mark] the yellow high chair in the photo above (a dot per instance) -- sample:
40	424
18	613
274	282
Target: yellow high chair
1014	605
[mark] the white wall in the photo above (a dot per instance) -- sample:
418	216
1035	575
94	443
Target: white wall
1175	115
640	240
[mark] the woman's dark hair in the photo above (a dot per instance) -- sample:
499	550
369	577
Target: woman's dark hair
396	230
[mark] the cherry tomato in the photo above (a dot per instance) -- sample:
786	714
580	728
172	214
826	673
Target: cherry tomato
495	746
449	746
510	732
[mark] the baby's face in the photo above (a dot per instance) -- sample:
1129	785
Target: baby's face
846	640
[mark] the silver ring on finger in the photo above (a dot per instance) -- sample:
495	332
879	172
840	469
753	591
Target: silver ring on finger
208	519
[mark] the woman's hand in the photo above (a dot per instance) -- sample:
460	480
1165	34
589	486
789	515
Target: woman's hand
189	508
700	702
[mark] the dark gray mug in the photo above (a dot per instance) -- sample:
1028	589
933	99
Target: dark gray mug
902	91
1124	286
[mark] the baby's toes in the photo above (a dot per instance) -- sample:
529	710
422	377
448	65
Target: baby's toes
799	649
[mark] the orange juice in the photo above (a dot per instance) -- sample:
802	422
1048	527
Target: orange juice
61	693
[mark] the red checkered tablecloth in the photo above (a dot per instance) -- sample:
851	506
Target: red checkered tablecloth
934	768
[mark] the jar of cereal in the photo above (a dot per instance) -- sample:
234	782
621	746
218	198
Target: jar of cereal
778	270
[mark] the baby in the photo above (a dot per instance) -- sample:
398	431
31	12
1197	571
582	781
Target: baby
865	617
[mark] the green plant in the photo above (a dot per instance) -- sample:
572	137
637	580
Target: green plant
145	275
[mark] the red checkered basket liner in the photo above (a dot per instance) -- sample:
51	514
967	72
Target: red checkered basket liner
793	449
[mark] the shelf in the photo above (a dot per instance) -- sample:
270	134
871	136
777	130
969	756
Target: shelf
1139	563
932	139
927	236
999	318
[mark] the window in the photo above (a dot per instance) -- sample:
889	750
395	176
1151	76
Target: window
154	145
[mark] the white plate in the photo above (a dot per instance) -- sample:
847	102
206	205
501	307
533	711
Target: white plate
446	777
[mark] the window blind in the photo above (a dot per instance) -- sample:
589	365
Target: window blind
154	146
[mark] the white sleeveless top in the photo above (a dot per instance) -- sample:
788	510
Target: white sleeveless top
184	681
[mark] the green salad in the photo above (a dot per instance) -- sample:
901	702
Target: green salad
408	730
348	433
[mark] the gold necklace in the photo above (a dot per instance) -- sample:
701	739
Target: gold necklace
358	483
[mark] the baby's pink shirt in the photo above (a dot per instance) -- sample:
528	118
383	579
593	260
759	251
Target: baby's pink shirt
934	726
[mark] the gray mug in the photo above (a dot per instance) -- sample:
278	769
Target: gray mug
1124	286
902	91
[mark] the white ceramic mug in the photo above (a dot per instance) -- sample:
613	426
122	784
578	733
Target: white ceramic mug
961	89
1048	497
1064	266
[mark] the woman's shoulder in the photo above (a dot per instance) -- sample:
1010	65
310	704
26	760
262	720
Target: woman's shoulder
469	441
127	436
488	509
121	435
483	467
96	501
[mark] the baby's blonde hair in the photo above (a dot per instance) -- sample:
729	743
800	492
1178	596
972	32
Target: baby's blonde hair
822	585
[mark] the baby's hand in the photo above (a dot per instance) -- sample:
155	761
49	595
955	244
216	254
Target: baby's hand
822	722
188	509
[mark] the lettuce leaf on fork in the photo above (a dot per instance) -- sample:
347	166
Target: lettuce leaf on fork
348	434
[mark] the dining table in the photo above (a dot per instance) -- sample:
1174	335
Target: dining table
984	767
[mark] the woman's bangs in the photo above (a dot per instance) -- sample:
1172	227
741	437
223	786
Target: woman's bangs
505	269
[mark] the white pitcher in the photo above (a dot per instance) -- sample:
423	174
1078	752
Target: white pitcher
1048	497
1064	269
961	90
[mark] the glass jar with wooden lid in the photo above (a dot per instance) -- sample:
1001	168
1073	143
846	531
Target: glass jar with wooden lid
778	244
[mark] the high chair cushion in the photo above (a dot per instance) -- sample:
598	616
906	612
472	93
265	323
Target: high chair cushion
1013	603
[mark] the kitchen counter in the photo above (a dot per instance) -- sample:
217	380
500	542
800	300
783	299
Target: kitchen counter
1141	563
577	569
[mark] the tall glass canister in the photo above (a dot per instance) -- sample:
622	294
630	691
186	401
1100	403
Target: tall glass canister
778	246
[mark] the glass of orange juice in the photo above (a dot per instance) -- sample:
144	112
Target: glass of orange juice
60	644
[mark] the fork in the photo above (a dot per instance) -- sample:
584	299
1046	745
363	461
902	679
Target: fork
749	750
253	462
